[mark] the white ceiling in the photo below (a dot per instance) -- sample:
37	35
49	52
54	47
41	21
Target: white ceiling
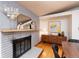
44	7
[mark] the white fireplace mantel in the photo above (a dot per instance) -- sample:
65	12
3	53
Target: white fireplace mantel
17	30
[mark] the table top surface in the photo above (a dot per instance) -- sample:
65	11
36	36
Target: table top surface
71	50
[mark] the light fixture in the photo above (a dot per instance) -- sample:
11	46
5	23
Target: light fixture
11	12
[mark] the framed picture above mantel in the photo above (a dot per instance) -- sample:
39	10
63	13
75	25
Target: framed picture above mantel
54	26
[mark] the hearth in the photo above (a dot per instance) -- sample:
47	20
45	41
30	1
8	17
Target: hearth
21	45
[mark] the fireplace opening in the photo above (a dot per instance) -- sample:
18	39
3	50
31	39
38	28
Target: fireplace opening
20	46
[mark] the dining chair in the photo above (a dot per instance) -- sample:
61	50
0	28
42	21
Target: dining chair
55	50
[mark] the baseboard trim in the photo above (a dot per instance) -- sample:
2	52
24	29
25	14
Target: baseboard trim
73	40
37	43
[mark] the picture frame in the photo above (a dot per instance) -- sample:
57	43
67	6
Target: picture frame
54	26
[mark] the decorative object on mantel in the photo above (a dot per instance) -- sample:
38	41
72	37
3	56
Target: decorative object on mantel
26	25
59	34
25	22
18	26
33	25
62	33
21	18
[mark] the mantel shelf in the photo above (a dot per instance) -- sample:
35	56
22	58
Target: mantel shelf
18	30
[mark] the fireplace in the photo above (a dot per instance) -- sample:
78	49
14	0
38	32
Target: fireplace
20	46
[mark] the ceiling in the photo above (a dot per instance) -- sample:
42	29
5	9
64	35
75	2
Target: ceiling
48	7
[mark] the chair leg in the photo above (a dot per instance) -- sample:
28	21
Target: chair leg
63	56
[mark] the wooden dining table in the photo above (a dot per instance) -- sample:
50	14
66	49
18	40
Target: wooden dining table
70	49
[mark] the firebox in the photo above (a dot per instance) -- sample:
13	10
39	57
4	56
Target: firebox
21	45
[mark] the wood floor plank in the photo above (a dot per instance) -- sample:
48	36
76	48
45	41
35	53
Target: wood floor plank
47	50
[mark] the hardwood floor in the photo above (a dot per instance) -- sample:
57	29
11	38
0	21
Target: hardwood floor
47	50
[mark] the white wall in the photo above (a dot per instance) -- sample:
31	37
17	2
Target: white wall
0	45
43	26
75	25
69	24
6	23
64	24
